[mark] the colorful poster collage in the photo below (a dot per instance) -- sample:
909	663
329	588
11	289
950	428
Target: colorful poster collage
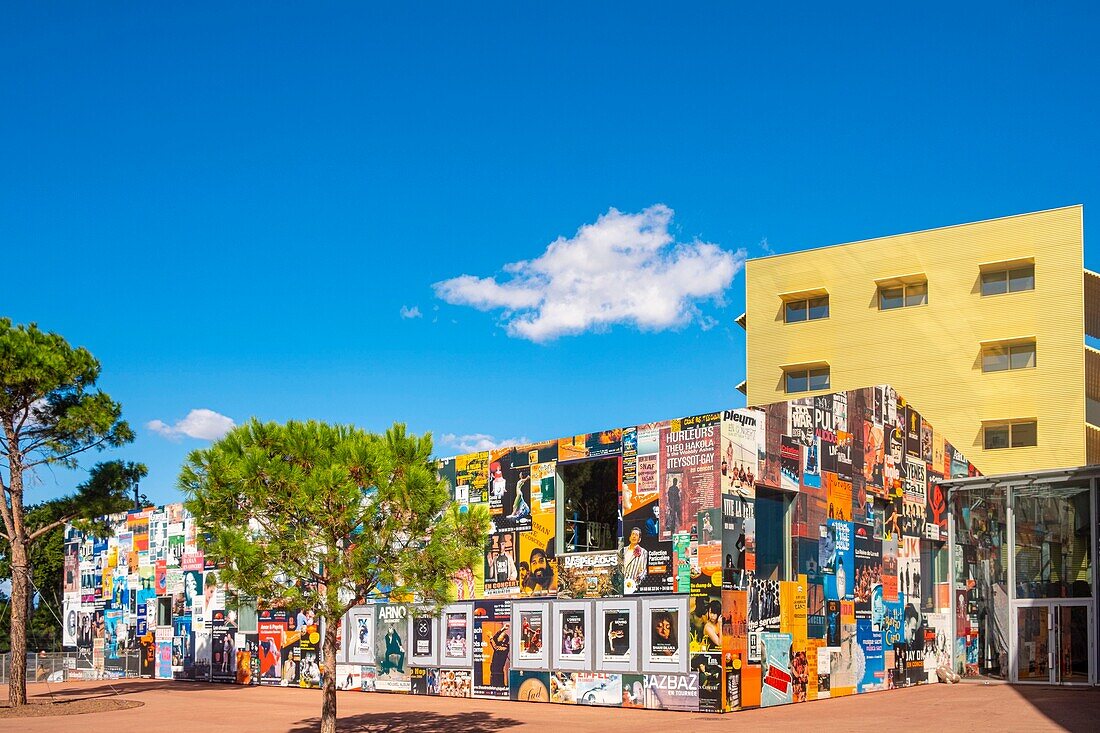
723	630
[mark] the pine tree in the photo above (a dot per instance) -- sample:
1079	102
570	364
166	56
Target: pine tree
316	516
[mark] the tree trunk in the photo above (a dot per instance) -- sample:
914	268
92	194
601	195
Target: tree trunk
328	678
20	601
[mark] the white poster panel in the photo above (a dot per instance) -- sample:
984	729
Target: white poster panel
531	637
457	635
423	638
664	633
573	635
359	635
617	635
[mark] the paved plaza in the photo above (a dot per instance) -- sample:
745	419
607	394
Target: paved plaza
211	708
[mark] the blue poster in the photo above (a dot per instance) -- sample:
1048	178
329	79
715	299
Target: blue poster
777	682
893	614
112	620
811	465
874	660
878	609
840	578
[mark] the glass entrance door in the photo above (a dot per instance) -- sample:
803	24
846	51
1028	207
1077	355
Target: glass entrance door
1054	641
1033	630
1072	654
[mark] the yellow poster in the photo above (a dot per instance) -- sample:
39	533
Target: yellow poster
793	611
537	567
813	646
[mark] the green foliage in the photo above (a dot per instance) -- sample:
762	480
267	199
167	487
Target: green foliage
319	516
50	413
47	390
106	491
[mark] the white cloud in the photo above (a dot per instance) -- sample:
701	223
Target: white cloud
414	312
201	423
625	268
478	442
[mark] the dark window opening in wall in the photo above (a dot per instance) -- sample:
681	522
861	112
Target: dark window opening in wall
1012	280
810	309
590	491
806	380
903	296
933	563
1012	435
1014	356
772	537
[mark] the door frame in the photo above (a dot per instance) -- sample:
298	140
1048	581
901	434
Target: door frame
1053	646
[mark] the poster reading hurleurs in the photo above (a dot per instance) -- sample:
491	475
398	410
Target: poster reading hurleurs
492	645
689	458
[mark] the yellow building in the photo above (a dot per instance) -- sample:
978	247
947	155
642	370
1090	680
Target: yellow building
992	315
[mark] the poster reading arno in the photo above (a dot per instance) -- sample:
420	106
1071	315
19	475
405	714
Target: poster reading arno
636	566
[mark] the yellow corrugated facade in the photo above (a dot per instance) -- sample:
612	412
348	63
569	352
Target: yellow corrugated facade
932	353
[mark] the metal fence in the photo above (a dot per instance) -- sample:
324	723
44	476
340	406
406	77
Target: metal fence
62	666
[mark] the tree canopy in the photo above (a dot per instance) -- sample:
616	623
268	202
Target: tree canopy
315	516
107	490
50	413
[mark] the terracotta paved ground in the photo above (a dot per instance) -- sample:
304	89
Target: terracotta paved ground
183	707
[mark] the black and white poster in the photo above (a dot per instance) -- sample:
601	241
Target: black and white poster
422	636
616	634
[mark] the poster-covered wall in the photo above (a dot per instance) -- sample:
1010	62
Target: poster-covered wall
695	599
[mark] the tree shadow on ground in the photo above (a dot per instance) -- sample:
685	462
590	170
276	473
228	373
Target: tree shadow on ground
1070	708
107	688
418	721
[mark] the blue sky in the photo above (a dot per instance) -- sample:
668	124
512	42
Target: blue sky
231	206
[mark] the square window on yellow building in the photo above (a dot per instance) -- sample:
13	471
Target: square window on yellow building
1014	356
808	309
806	380
1020	434
902	296
1008	280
